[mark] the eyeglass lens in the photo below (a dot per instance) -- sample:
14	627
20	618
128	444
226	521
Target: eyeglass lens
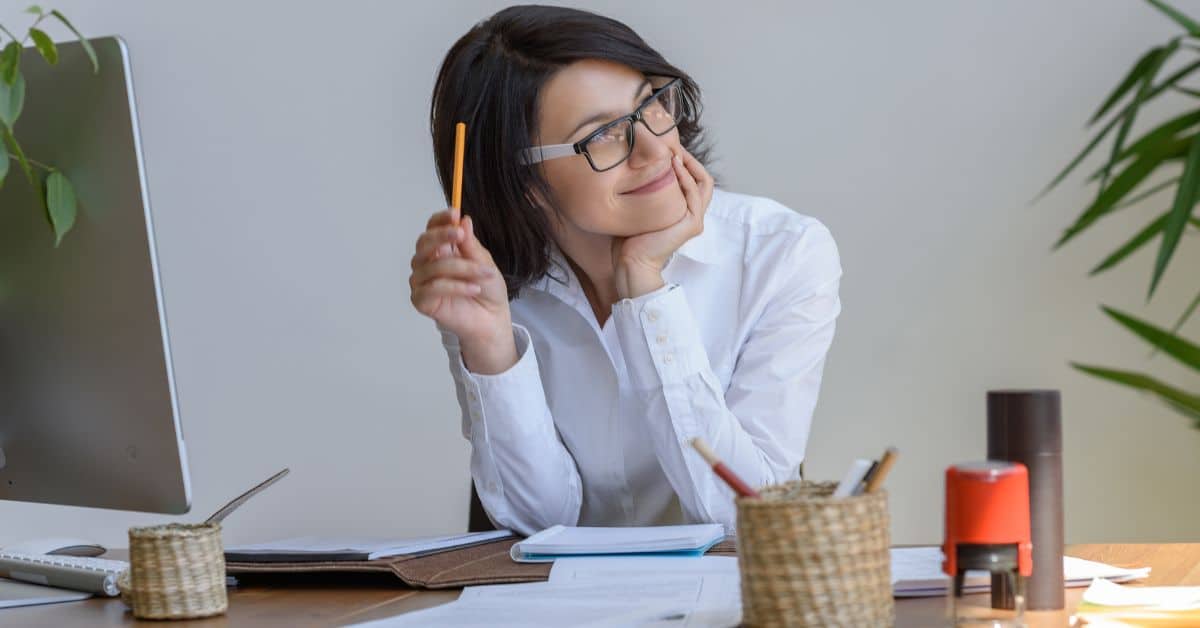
611	147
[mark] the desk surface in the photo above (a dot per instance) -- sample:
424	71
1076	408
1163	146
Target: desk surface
327	604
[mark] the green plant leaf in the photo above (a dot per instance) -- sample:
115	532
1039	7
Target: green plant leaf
1163	133
4	163
34	9
87	46
1122	184
1185	199
1171	80
1187	313
1181	401
1131	112
1132	245
45	45
14	148
1141	196
12	100
1185	352
1185	90
1102	133
10	62
60	204
1132	78
1186	22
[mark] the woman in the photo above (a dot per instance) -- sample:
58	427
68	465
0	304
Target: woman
601	302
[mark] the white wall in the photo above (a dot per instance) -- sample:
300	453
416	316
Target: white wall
290	171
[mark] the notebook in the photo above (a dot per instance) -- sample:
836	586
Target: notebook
556	541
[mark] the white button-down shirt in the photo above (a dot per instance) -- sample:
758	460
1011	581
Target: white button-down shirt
593	424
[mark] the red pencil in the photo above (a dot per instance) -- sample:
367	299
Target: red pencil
718	467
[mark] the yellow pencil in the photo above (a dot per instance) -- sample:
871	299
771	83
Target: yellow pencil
460	145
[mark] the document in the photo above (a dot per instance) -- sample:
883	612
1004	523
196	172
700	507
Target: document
1108	603
917	572
617	567
489	613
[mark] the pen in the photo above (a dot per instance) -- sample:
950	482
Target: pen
858	471
862	484
718	467
885	465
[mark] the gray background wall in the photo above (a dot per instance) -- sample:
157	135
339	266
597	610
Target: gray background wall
290	171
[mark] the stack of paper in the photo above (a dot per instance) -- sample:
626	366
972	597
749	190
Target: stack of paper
917	572
1109	604
558	541
655	591
318	549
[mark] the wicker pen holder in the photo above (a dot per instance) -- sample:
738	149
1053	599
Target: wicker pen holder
176	571
809	559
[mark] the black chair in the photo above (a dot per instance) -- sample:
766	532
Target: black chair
477	519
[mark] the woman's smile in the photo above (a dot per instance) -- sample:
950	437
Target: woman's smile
658	183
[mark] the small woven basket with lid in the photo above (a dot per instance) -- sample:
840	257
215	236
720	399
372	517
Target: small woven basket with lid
176	571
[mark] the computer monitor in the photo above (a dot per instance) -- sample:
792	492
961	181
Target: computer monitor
88	409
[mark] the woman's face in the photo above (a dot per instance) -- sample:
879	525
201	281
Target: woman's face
606	203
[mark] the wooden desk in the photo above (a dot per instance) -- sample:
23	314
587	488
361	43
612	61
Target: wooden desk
333	604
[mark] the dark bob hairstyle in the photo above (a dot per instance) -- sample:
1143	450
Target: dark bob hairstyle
491	79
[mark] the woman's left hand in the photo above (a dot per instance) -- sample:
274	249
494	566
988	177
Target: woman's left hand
638	260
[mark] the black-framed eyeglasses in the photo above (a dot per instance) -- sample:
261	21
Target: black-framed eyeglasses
611	144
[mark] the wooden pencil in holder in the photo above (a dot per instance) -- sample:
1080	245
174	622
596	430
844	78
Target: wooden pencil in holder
810	559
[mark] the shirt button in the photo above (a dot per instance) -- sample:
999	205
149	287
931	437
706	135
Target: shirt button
652	315
668	359
662	339
491	486
474	416
471	395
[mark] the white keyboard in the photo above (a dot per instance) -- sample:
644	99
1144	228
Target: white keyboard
94	575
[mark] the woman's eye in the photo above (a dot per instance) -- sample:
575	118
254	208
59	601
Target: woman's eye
611	135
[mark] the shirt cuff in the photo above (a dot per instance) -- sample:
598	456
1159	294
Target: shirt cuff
659	338
505	397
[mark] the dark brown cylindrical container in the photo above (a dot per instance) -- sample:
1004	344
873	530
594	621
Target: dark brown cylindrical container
1026	426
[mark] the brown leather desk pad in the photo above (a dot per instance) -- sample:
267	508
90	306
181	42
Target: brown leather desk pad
486	563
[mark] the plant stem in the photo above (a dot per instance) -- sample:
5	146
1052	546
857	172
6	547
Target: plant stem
34	162
33	26
6	32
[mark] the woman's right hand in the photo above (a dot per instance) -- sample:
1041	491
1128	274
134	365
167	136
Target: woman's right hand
456	282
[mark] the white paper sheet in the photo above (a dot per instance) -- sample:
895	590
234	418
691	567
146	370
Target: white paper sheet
603	567
697	601
489	613
1107	593
917	572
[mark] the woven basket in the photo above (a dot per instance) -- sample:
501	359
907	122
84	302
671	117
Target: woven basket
809	559
176	571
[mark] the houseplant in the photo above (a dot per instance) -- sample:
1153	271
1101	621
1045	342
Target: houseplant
1128	176
53	186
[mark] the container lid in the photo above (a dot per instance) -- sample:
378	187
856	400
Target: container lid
1023	422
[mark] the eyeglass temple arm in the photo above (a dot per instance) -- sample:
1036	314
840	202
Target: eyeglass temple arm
535	154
